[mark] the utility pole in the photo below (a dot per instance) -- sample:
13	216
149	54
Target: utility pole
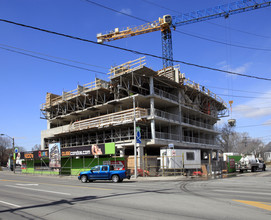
135	153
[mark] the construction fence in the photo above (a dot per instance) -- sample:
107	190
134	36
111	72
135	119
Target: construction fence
151	166
147	166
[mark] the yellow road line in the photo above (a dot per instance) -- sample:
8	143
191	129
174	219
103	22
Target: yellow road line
261	205
83	187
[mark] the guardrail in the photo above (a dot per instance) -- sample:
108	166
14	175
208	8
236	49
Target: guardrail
198	140
165	115
127	67
197	123
121	117
164	94
98	83
202	89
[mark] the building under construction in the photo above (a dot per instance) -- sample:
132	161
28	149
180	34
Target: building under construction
169	109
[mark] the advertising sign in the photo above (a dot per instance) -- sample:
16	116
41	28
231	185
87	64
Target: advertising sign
92	150
54	155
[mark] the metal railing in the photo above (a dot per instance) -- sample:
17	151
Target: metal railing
165	115
167	136
167	95
198	140
202	89
98	83
197	123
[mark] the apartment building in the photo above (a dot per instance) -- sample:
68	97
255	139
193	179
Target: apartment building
168	108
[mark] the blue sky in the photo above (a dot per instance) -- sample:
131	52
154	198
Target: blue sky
25	80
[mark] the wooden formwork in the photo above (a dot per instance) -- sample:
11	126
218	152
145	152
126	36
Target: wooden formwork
121	117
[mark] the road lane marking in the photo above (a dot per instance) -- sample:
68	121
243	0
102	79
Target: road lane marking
242	192
51	184
7	203
26	184
261	205
40	190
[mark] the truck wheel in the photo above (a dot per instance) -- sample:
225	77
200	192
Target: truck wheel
84	179
253	169
115	178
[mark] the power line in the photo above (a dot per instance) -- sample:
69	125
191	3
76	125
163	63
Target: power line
133	51
266	124
221	42
237	90
111	9
53	61
160	6
249	97
241	31
74	61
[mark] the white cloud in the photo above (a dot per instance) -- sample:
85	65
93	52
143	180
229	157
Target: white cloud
239	69
255	108
268	122
126	11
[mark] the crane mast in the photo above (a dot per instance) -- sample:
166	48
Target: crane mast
167	22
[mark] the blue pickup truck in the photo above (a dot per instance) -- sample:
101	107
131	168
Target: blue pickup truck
103	172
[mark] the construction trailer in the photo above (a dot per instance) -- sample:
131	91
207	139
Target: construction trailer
182	160
167	106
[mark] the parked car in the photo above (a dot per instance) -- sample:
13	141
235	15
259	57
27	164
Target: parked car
103	172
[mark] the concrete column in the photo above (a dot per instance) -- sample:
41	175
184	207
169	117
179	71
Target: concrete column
180	116
151	86
42	144
140	151
152	120
152	108
122	152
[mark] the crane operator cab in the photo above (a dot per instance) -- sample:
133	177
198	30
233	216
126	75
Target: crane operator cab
167	19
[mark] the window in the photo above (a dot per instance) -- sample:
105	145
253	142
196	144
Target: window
96	168
112	167
190	156
104	168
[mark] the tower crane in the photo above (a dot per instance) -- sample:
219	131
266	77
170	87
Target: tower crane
167	22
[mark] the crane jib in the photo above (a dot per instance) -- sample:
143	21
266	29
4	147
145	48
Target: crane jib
167	22
219	11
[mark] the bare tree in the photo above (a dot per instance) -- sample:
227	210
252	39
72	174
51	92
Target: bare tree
5	150
248	145
231	141
226	138
36	147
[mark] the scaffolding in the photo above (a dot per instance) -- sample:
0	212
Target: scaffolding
169	108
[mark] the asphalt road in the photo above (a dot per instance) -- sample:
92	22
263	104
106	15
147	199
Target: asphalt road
247	196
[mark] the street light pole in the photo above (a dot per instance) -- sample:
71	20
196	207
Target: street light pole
13	156
13	151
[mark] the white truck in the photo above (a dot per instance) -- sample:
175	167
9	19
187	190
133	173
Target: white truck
250	162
